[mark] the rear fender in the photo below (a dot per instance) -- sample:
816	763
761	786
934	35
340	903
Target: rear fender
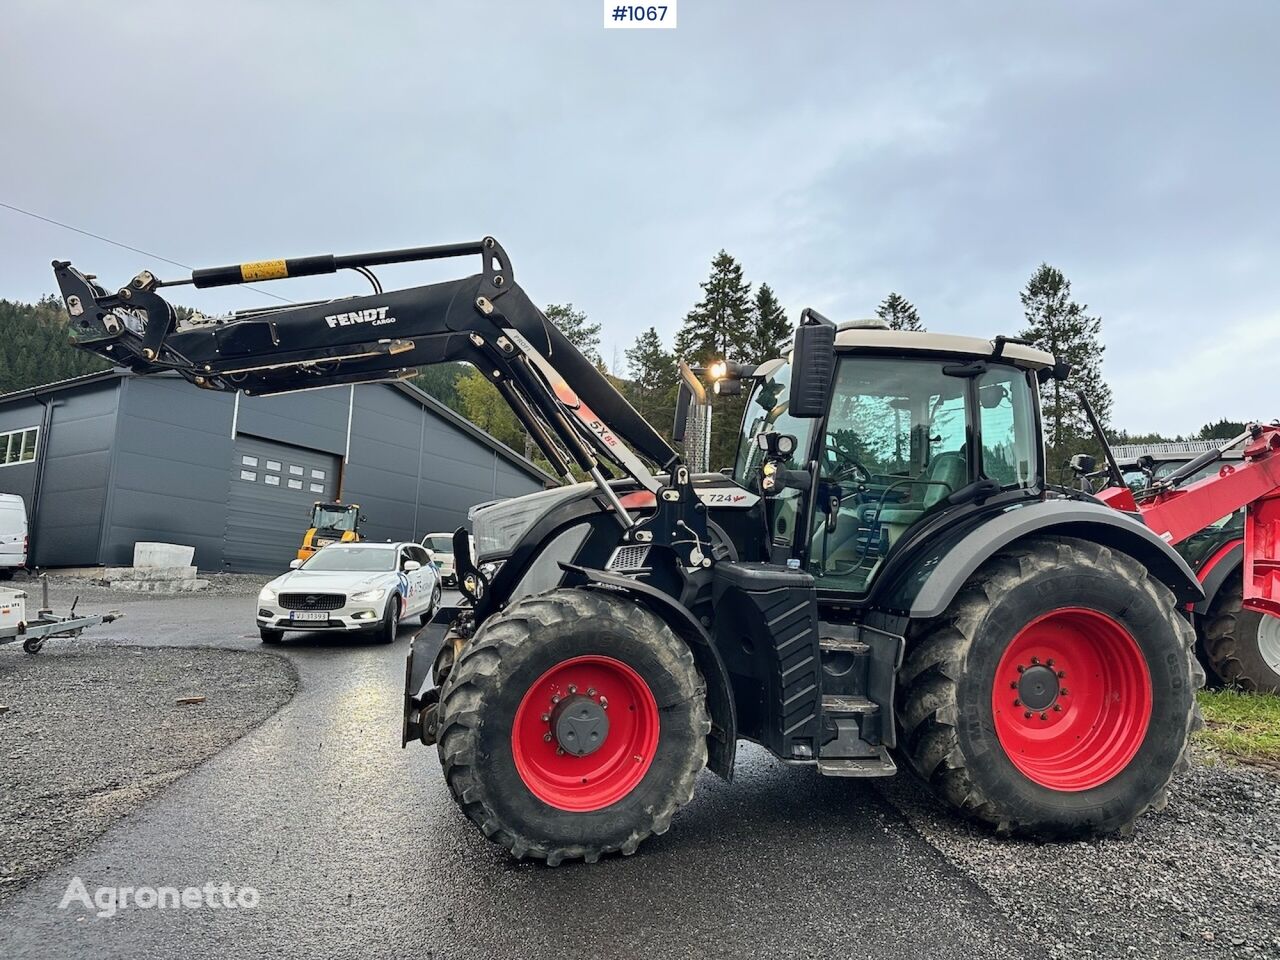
1216	570
723	742
931	583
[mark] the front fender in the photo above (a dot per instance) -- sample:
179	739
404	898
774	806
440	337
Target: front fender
722	745
928	587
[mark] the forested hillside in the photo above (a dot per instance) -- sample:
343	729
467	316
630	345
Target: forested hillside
34	347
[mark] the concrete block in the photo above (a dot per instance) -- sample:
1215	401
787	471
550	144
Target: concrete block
147	554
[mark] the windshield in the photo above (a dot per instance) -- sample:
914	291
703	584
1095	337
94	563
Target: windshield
334	518
440	544
354	559
767	411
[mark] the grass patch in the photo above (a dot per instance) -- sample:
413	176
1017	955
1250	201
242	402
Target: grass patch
1244	725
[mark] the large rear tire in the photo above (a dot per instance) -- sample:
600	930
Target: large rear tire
1056	696
1241	647
573	725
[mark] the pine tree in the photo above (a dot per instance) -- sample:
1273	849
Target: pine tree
771	326
899	313
35	346
1058	324
1223	429
720	325
573	324
654	380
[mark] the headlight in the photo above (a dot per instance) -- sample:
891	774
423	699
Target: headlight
267	595
490	569
369	596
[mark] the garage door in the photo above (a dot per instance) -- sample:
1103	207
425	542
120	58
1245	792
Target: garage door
273	486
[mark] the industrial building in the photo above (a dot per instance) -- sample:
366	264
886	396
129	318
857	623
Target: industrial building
109	459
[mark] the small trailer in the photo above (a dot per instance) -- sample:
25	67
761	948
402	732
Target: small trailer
46	625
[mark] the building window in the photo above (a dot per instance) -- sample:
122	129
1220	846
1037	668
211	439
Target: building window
317	488
249	461
295	484
317	474
272	480
18	446
296	471
273	465
248	475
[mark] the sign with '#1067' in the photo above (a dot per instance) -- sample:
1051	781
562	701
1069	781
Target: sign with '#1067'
641	16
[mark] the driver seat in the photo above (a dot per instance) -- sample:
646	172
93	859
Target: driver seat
945	474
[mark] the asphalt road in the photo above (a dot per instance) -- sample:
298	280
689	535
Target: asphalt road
356	849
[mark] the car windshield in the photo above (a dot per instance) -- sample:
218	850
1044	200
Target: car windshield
354	559
767	411
334	518
440	544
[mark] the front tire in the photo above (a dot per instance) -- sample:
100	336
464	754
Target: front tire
573	725
1056	696
270	636
389	626
1241	647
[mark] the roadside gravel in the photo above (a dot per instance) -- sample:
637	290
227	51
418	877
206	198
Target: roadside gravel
96	597
1201	879
94	731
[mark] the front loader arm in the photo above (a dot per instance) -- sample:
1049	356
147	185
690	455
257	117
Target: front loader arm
569	407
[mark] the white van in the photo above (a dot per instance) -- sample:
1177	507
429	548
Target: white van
13	534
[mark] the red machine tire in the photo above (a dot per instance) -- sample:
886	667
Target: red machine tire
519	707
1239	645
1124	710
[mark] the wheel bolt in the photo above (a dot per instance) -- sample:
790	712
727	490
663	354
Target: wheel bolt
556	698
1044	716
546	718
1062	674
1017	703
1027	715
591	691
1057	708
1049	662
1035	659
604	703
559	751
1063	692
1013	684
547	736
1021	668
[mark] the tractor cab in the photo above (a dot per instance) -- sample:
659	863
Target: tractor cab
331	523
916	426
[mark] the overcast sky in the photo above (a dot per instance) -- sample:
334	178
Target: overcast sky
839	149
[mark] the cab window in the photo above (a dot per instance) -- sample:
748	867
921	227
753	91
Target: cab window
896	446
1008	433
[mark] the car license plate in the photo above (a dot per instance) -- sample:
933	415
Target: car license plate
319	616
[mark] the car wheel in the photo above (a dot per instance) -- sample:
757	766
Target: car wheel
389	626
270	636
433	607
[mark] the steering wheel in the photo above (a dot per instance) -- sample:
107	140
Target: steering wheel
842	464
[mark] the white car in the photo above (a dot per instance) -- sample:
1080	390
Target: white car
368	587
440	546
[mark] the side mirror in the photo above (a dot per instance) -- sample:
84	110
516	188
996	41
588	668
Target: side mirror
294	564
411	565
813	362
1083	463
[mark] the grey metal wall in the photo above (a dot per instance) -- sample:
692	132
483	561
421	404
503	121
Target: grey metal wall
134	459
66	518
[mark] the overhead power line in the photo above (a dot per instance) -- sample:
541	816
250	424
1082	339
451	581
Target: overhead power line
126	246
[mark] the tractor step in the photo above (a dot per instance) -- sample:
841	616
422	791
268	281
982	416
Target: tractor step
843	645
880	765
847	705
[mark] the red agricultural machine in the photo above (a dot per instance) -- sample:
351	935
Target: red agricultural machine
884	574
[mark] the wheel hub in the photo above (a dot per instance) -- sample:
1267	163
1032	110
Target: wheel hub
580	725
1038	687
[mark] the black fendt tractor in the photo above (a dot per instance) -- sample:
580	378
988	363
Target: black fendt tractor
883	576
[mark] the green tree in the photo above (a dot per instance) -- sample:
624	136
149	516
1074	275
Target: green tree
654	381
1058	324
899	313
1222	430
481	403
441	381
771	326
577	330
35	346
720	324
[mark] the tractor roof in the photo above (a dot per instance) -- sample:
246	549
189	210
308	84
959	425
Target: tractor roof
880	338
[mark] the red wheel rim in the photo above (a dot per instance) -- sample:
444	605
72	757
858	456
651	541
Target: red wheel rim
620	756
1072	699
